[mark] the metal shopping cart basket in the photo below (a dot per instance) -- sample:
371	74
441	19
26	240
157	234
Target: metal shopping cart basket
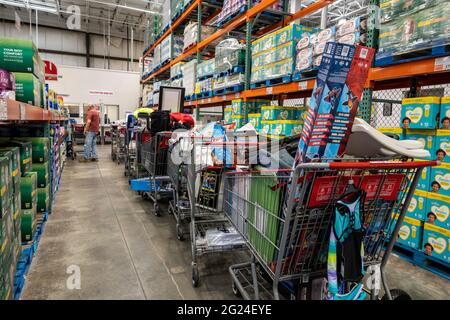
154	154
285	218
210	230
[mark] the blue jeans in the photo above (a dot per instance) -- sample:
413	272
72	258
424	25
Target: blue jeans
90	145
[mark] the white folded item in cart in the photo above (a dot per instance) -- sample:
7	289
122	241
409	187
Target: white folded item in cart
227	237
366	141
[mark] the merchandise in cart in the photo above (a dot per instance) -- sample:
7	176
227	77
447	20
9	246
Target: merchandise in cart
118	143
285	218
154	155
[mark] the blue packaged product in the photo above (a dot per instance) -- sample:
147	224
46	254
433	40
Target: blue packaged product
427	137
438	210
440	179
417	208
436	242
445	113
441	149
420	113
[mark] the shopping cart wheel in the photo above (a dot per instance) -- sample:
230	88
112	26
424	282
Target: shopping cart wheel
180	233
156	209
397	294
236	291
195	276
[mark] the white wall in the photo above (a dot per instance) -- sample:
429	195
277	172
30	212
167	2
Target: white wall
74	84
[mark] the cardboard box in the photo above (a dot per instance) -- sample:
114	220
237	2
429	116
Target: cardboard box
20	55
396	133
410	233
255	120
417	208
42	170
339	102
28	189
15	153
5	178
438	210
445	113
43	198
427	137
440	180
436	242
424	180
441	149
28	89
420	113
40	148
28	224
25	153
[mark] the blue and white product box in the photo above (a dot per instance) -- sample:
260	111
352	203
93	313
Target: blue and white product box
410	233
340	101
445	113
438	210
427	137
440	179
436	242
417	208
420	113
424	180
316	97
441	150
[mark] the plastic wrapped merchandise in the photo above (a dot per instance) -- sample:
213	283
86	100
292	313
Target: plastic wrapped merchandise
176	70
223	237
157	56
434	23
165	14
326	35
229	54
190	35
229	8
190	77
205	68
317	61
390	35
7	85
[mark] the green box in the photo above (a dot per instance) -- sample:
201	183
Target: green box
4	184
28	89
40	148
42	174
21	55
15	152
255	120
28	224
25	152
28	189
43	197
8	178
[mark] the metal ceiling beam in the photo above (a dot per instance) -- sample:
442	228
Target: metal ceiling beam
124	7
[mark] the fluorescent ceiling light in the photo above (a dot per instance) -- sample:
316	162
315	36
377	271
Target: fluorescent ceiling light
33	5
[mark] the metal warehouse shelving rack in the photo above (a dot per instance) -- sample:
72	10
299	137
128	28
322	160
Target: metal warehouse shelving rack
11	110
431	71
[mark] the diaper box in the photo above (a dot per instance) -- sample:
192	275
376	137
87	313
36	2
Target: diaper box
410	233
282	127
438	210
440	179
227	113
445	113
441	150
424	180
436	242
255	120
420	113
280	113
427	137
239	120
417	208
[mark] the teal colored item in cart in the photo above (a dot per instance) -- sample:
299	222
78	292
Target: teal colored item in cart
346	249
221	155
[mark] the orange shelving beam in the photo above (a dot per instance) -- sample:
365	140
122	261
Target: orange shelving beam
173	26
410	69
19	111
236	22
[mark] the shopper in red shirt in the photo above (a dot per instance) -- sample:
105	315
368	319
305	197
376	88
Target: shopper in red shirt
90	131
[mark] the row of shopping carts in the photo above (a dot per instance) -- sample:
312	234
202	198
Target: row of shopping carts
284	217
118	143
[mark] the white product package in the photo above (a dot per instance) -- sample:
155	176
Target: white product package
352	38
351	26
226	237
326	35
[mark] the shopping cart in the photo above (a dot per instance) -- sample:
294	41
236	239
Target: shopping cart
154	155
285	218
78	139
118	143
210	230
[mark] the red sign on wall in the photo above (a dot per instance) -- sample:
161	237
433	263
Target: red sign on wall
51	72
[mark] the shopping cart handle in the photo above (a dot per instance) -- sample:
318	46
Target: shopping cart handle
369	165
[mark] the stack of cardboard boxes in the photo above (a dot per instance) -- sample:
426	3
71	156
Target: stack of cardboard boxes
427	224
10	216
21	58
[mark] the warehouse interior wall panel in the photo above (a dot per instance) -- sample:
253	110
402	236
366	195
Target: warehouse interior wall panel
75	84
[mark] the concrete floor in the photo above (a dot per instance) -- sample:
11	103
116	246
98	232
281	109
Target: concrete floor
125	252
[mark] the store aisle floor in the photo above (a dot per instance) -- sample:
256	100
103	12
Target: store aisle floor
123	251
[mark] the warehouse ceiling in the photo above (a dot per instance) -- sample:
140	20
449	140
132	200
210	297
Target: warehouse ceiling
118	17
